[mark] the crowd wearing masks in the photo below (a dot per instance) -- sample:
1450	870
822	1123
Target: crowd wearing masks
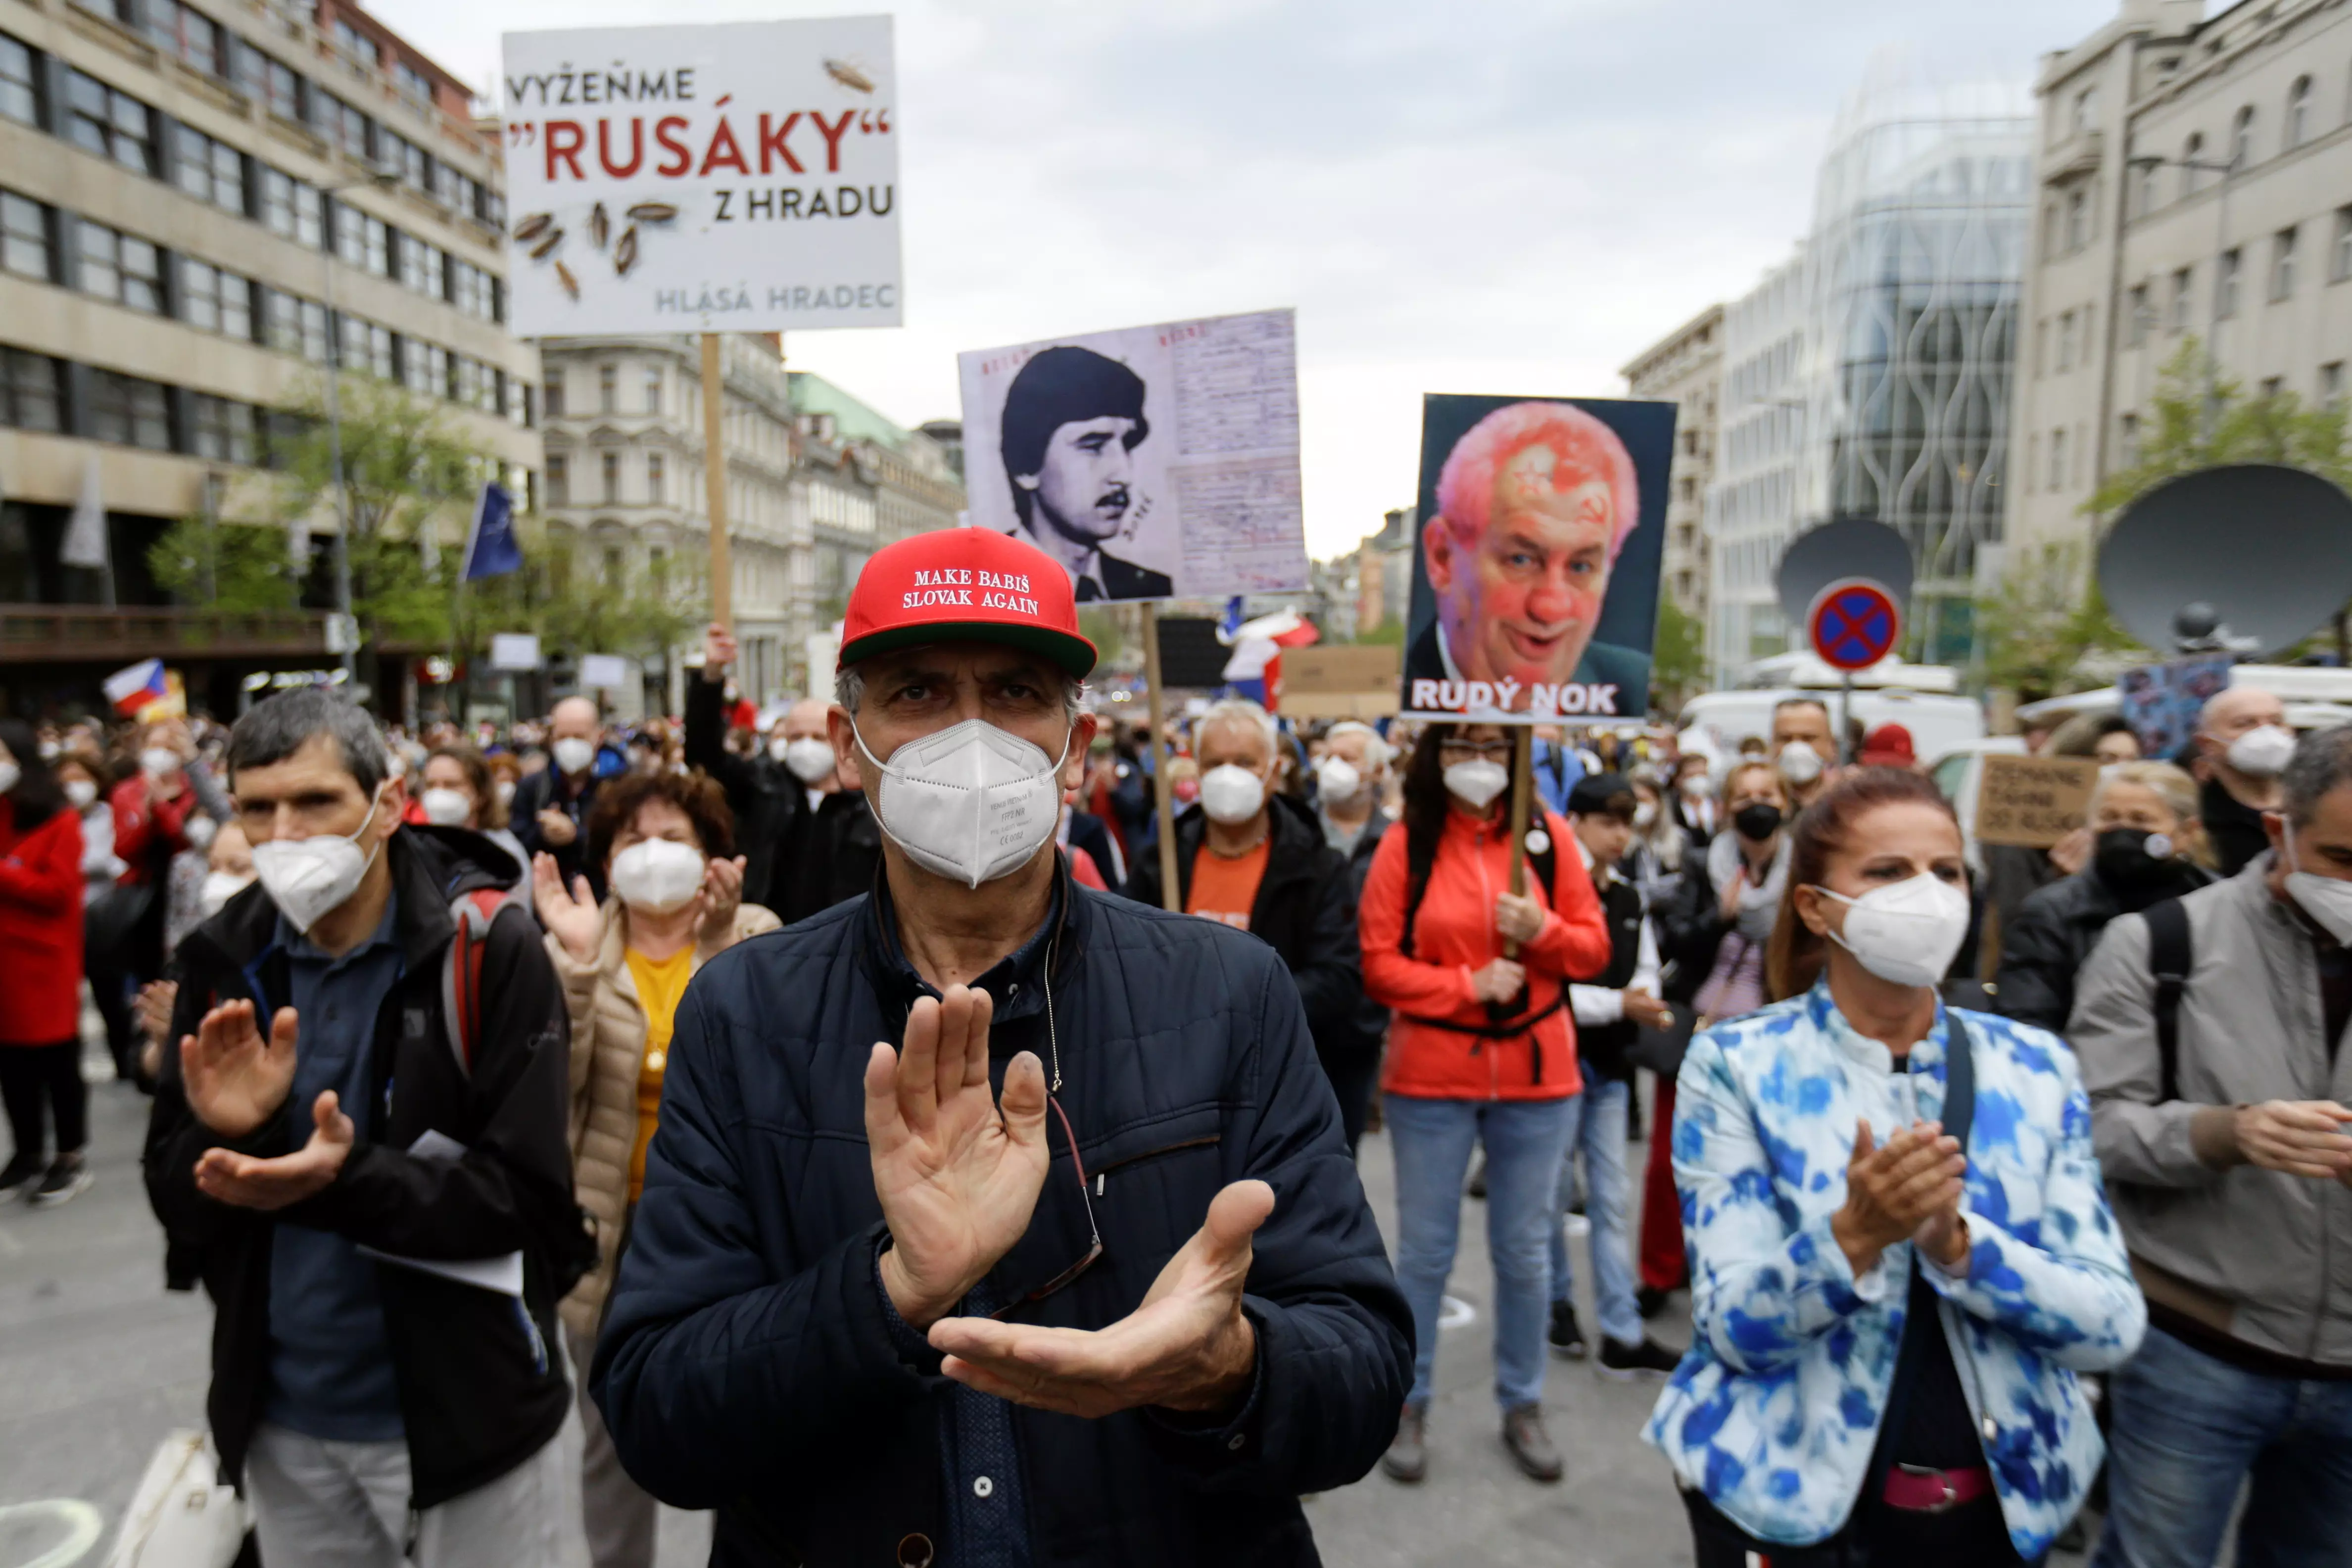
518	1104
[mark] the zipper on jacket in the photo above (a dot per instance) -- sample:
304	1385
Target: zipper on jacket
1487	904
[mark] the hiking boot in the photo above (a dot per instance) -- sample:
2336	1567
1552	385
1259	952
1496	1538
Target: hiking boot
1566	1337
1627	1361
1408	1459
20	1173
1530	1445
68	1176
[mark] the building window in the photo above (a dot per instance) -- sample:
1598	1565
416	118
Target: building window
2041	353
608	388
129	412
2273	385
281	88
416	84
122	269
2078	220
2339	266
215	300
30	398
2066	342
612	469
366	348
361	240
357	44
616	566
2057	459
2136	321
209	171
559	480
2242	138
20	97
25	238
2225	287
2128	440
190	35
223	430
2183	283
551	396
2331	383
2283	265
653	389
293	208
656	474
110	123
2147	198
2298	113
427	369
2087	110
341	123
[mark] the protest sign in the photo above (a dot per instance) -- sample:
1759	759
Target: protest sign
2163	702
514	650
2033	800
1336	682
737	177
1535	578
1153	462
608	671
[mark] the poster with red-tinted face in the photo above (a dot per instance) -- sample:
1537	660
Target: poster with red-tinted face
1535	578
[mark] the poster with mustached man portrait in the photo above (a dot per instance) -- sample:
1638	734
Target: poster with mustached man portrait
1535	575
1153	462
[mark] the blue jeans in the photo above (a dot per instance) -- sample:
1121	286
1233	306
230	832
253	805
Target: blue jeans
1596	1129
2188	1431
1525	1140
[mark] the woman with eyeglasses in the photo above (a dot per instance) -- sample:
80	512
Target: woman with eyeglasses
662	841
1482	1051
1901	1253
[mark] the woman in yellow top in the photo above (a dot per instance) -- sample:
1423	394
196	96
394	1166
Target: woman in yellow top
664	841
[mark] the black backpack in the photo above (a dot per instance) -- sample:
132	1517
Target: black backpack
2169	959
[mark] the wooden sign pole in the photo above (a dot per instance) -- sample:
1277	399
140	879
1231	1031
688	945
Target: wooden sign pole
714	478
1163	798
1523	789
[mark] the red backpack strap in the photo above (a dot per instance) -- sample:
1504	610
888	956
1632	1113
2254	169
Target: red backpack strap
461	975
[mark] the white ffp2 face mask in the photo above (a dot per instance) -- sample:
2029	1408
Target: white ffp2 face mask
659	876
159	762
1231	794
1337	779
572	755
1476	784
1906	933
219	887
446	808
809	759
1799	764
82	793
2263	752
970	803
2326	899
310	878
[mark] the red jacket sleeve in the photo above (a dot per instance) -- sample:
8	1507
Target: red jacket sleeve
41	873
1390	979
1574	942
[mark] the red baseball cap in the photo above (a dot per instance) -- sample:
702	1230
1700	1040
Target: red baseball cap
1888	745
964	585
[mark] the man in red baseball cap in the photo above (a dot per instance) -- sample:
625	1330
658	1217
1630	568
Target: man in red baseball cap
867	1287
1888	745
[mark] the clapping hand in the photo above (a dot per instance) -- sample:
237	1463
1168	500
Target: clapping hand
1892	1191
958	1177
570	915
721	897
1187	1347
235	1080
230	1177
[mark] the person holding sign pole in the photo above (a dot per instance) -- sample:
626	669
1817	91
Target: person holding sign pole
991	1219
1482	1052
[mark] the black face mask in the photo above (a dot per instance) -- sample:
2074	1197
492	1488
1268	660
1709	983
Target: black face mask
2134	863
1757	821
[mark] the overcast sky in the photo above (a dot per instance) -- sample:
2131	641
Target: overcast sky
1462	195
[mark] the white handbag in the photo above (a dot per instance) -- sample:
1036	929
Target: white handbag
182	1516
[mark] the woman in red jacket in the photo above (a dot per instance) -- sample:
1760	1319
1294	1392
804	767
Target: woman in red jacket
40	971
1482	1050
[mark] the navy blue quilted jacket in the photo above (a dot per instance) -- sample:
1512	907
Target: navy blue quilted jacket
748	1365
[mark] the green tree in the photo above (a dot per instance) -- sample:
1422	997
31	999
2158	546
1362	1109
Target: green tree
1678	658
1389	633
237	568
2269	428
2047	615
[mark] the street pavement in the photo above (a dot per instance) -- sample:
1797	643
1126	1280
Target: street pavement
98	1362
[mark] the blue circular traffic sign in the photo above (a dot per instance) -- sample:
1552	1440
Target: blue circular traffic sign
1854	623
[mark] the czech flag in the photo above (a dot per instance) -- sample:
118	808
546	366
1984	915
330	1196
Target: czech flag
133	689
1255	668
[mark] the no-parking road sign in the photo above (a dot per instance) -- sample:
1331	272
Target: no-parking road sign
1854	623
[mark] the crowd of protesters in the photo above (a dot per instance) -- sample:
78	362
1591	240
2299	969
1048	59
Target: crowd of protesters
1995	1178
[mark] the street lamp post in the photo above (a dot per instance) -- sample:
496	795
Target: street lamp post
2228	171
347	628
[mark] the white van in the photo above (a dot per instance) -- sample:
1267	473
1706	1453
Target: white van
1937	724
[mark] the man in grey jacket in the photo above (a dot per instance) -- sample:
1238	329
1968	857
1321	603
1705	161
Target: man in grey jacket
2232	1192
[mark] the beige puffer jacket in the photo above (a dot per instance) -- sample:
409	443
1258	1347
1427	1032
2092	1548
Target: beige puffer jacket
608	1048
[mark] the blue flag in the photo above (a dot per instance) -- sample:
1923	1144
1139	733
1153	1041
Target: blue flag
492	547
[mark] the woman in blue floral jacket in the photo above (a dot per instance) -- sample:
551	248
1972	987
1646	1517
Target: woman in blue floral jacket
1887	1326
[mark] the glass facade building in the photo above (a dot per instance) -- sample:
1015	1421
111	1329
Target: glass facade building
1870	376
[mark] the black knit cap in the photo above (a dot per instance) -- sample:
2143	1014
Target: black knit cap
1602	794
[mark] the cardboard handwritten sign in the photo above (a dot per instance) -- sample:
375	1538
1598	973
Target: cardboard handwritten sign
1337	682
2033	800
